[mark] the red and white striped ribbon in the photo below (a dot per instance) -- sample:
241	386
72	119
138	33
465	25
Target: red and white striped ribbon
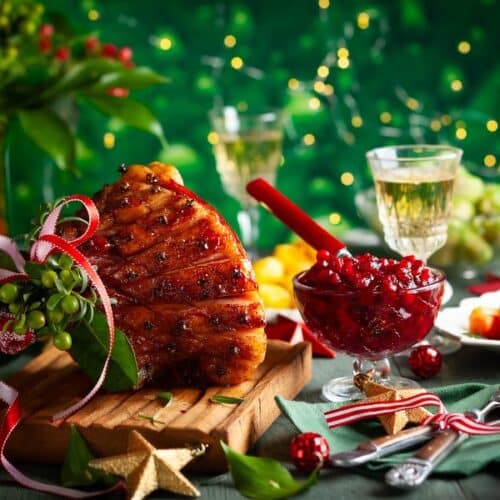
356	412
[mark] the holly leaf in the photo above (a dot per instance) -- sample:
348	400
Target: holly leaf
134	78
131	112
51	134
263	478
75	470
89	350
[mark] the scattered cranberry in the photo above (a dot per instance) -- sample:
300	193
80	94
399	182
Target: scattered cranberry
46	30
109	50
308	450
45	45
125	54
92	45
118	92
425	361
62	53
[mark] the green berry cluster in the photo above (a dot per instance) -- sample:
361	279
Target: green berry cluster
56	297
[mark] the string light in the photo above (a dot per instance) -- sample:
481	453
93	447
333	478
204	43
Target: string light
213	138
324	4
309	139
165	43
93	15
343	52
412	103
491	125
109	140
456	85
329	90
323	71
435	125
347	179
237	62
446	120
363	20
461	133
357	121
314	103
343	63
334	218
319	87
230	41
463	47
293	84
385	117
489	161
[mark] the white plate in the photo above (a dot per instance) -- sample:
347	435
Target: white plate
455	320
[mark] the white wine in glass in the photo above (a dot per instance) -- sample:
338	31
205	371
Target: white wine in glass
247	146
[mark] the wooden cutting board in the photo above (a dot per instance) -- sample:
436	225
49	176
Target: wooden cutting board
52	382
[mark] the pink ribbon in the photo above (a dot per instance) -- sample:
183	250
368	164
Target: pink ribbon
47	243
443	419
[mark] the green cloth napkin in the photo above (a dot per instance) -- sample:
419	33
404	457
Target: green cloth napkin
474	454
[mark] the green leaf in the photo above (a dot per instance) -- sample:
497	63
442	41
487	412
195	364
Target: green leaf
166	397
226	400
263	478
134	78
131	112
90	347
54	300
75	470
51	134
34	269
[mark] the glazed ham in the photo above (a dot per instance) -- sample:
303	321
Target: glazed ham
185	292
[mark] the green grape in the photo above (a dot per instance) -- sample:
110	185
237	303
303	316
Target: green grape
48	278
65	261
63	341
36	320
14	308
9	293
70	304
66	277
55	316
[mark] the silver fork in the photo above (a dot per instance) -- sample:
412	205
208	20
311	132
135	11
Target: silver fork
415	470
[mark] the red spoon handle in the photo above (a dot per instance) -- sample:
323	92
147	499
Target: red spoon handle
293	216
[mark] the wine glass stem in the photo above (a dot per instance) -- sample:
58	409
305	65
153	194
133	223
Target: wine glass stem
376	370
248	220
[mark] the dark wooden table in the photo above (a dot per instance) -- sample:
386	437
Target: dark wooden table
466	365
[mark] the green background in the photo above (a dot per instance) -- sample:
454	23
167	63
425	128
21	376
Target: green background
403	63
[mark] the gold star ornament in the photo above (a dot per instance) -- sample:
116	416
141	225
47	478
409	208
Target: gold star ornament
377	393
147	469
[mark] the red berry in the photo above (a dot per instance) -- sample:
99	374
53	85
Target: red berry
323	255
109	50
45	45
92	44
118	92
425	361
62	53
308	450
11	342
46	30
125	54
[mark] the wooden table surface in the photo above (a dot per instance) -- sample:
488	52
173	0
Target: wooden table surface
466	365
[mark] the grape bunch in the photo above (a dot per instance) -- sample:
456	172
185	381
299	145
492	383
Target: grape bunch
56	296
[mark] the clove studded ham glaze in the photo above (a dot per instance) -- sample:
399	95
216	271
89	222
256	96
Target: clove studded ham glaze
185	292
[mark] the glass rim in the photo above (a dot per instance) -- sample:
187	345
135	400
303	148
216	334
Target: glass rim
339	293
266	115
447	152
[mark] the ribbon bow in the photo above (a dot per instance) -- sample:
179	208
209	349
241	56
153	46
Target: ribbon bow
46	244
443	419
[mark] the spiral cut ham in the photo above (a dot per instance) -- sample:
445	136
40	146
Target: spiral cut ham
185	292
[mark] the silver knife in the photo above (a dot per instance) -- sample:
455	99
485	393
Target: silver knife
415	470
382	446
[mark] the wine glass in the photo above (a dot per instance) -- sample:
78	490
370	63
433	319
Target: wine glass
414	188
369	325
247	146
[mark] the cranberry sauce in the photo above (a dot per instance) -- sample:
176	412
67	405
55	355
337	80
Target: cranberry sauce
368	306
